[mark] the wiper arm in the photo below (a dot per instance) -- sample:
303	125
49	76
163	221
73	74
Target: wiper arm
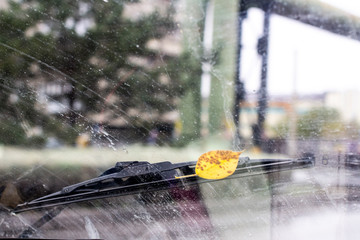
135	177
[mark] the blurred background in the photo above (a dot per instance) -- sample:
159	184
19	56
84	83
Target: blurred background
113	75
85	84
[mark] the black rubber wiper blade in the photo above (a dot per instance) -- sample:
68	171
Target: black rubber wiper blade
135	177
123	179
122	170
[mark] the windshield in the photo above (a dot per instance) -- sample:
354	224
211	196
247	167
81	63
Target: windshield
87	84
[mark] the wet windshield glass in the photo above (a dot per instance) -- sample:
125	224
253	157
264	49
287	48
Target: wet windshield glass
87	84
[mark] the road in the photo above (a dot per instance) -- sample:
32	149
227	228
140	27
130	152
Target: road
322	202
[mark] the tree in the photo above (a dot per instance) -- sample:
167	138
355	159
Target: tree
321	122
92	51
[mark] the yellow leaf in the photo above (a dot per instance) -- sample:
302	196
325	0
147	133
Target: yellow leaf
217	164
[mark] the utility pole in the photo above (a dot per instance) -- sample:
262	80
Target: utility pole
263	42
239	85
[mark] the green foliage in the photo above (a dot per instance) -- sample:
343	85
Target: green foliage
41	42
11	133
317	123
35	141
352	130
281	129
320	123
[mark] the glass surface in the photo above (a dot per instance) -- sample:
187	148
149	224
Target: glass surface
87	84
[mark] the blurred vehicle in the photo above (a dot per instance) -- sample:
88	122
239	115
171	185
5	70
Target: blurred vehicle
352	160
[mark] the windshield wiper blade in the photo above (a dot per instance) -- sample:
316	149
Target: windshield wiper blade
135	177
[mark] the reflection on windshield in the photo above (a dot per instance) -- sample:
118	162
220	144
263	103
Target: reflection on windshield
87	84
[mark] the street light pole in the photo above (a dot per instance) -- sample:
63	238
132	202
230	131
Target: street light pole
239	85
258	129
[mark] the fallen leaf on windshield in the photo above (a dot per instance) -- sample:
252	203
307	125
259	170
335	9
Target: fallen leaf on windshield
216	164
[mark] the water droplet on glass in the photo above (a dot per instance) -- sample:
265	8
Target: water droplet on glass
125	150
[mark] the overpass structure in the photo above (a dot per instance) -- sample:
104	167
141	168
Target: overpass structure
311	12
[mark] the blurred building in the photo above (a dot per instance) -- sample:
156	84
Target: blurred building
347	103
282	110
278	110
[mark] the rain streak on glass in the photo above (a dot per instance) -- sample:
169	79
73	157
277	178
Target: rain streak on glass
141	88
